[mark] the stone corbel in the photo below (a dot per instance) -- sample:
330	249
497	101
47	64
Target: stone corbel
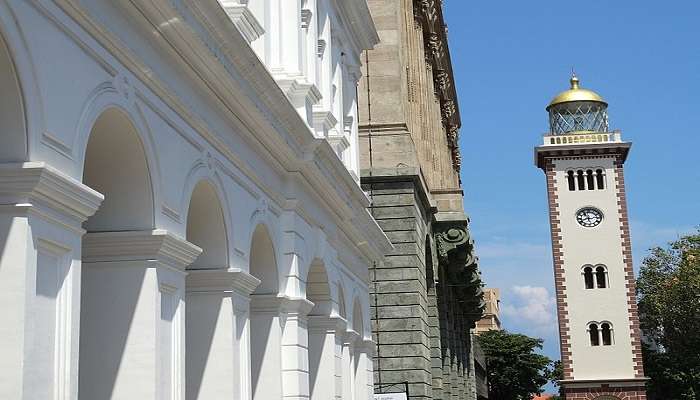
243	19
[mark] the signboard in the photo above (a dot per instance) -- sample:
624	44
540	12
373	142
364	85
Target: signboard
391	396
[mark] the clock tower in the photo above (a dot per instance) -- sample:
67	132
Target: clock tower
599	333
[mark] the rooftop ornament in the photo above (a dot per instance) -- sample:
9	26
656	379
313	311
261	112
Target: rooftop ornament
577	110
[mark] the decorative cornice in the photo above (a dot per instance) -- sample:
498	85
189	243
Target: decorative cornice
272	303
156	245
437	51
221	280
35	183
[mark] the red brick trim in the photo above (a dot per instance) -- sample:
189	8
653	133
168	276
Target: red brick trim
559	280
629	272
592	393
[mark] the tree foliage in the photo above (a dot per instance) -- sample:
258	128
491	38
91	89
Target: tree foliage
515	370
668	289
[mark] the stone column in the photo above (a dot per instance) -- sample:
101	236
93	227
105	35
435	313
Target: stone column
132	319
323	368
41	212
215	300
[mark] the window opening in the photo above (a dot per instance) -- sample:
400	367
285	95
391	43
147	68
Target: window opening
593	333
600	178
589	179
581	184
600	277
588	277
606	333
570	178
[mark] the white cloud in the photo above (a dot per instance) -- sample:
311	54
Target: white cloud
532	309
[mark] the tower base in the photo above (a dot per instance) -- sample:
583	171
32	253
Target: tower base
632	389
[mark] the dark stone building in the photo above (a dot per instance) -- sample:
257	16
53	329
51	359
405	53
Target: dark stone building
427	296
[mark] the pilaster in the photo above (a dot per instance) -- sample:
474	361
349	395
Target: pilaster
137	279
217	333
41	212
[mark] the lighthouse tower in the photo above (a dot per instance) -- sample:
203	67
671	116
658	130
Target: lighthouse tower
599	331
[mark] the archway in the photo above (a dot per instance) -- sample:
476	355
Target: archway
321	330
12	117
209	320
116	321
265	323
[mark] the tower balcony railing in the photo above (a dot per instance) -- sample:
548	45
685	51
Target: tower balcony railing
574	138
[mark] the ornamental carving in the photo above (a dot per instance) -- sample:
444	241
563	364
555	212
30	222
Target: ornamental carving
428	13
460	266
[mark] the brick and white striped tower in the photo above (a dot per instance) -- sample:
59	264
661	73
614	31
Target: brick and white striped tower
594	281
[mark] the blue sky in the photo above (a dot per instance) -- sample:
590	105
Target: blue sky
510	58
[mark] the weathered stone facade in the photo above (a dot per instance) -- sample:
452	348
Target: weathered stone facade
427	296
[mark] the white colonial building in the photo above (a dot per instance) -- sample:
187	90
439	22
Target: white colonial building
180	210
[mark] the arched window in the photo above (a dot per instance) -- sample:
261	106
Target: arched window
593	333
606	333
600	277
589	179
600	179
570	179
581	183
588	277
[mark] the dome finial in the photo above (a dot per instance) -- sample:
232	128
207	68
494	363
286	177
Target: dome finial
574	80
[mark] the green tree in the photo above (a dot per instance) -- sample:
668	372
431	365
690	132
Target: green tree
668	289
515	370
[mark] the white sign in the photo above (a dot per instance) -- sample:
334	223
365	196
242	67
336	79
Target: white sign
390	396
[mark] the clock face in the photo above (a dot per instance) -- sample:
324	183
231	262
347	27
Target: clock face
589	217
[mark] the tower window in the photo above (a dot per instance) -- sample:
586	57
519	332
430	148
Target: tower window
600	333
588	277
606	333
580	179
600	277
589	180
571	180
600	179
593	333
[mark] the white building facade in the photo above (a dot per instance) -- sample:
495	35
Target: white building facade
598	322
180	209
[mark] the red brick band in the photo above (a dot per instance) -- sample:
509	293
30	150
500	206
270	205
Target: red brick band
592	393
630	283
559	281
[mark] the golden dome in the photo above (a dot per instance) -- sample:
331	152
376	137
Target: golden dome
576	93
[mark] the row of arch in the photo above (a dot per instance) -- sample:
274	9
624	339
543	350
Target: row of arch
588	179
119	162
600	333
116	166
595	277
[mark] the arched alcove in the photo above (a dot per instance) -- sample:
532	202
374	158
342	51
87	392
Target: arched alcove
206	227
208	318
263	264
321	336
116	166
12	117
265	324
